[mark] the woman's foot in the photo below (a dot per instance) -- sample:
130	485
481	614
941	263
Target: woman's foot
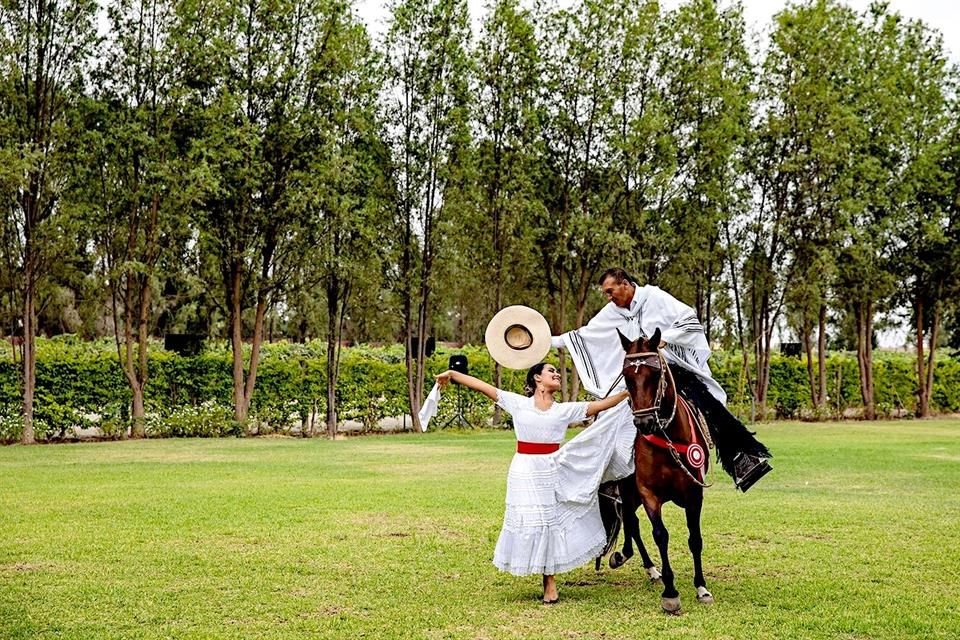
550	594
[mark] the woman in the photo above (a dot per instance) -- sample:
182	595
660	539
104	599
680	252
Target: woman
542	533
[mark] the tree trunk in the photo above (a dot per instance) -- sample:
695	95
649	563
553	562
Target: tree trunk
934	334
243	385
863	315
235	295
806	331
922	408
822	357
29	346
332	347
138	429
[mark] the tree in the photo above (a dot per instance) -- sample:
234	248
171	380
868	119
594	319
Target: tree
427	103
243	125
131	184
707	73
508	74
341	181
577	233
926	191
45	51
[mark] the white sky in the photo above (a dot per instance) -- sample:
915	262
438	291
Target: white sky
943	15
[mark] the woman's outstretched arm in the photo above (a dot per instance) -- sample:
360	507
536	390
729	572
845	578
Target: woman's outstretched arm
468	381
603	404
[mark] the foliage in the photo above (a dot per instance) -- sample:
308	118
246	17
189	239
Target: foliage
80	384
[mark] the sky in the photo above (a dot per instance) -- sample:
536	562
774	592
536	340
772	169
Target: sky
943	15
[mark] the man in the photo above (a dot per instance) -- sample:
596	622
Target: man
637	311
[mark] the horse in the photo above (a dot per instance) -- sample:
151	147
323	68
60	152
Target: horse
671	456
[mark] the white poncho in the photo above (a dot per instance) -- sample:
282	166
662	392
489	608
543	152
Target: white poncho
604	452
598	354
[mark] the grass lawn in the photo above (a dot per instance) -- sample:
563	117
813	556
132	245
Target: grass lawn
856	534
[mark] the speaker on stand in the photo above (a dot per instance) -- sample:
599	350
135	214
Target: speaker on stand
459	364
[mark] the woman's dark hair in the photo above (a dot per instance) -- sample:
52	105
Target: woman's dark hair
531	385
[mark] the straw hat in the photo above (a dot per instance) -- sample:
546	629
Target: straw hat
518	337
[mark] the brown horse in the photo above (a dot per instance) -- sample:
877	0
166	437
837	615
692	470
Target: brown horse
671	456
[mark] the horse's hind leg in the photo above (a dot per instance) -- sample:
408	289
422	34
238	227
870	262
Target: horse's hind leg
628	507
696	548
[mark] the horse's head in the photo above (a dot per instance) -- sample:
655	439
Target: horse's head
644	371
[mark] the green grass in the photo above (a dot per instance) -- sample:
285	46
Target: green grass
856	534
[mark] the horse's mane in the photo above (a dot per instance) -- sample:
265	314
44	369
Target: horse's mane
729	434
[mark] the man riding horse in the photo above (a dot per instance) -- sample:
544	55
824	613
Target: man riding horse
637	312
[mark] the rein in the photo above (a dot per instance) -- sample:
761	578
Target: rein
662	440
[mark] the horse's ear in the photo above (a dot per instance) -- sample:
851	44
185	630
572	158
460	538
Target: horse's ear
654	340
626	342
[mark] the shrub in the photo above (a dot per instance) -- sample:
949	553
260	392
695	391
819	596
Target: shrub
80	384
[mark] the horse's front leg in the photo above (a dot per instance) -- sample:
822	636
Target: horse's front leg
631	533
651	569
670	598
693	508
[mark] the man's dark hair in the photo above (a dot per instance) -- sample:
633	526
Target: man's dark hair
618	275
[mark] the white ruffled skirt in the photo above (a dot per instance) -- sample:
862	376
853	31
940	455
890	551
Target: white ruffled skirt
552	520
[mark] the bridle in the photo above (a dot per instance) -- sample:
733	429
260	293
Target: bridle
643	359
637	360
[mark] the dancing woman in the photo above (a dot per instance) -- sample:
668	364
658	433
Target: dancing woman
544	533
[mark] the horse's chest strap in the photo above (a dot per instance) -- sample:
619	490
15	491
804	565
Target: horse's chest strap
694	452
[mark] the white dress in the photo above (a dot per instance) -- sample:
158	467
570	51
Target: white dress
552	519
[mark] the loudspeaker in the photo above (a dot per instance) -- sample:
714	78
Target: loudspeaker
428	348
185	344
459	363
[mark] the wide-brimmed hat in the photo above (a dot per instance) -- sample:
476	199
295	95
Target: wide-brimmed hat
518	337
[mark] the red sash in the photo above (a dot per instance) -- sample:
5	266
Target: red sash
536	448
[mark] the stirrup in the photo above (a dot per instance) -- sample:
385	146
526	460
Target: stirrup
747	469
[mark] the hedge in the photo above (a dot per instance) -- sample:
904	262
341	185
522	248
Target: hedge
80	384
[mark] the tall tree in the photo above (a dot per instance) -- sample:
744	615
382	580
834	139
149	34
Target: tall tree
925	190
341	181
821	42
245	68
131	189
707	73
579	235
427	103
508	79
46	52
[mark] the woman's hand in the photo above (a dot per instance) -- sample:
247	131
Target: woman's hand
445	378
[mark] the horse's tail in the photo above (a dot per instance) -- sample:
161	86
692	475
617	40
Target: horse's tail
730	436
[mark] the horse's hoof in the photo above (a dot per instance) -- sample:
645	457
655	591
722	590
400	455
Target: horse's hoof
616	560
670	605
704	596
654	575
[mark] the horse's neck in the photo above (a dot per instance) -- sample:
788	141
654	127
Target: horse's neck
679	428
